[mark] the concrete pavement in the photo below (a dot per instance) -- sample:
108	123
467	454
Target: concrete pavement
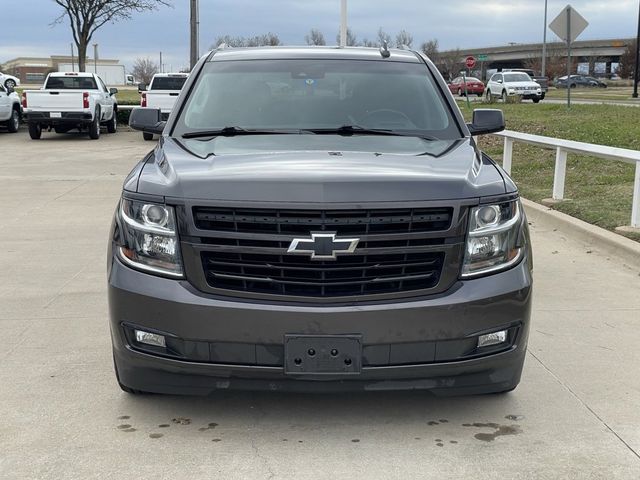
576	413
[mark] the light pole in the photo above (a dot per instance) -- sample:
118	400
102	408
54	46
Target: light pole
544	41
343	23
637	71
195	27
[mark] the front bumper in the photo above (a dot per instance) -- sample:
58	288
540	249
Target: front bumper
225	343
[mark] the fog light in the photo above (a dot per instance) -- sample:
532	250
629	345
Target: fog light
150	338
492	339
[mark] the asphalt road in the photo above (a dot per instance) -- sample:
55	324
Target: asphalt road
575	414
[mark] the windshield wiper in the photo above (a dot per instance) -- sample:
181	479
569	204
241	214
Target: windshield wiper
234	131
359	130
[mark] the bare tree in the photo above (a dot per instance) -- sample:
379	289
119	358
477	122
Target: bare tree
404	38
266	39
352	41
315	37
370	43
430	49
450	63
144	69
628	61
384	37
87	16
229	41
556	65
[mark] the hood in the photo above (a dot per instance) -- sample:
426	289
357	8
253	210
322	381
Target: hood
319	176
522	84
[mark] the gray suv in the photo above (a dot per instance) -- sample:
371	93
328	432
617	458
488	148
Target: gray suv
318	219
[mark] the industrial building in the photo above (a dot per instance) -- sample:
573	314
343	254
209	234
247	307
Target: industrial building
33	70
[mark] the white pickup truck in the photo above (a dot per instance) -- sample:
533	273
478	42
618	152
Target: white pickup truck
162	93
69	101
9	109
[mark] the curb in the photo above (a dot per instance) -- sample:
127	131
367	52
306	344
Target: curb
613	244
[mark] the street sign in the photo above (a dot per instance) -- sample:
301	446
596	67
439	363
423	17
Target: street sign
568	25
470	62
482	58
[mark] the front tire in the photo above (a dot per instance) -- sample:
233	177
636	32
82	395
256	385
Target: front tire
35	131
505	97
536	100
460	93
112	126
94	128
14	122
147	136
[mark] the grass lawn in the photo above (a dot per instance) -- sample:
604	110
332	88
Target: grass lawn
611	93
598	191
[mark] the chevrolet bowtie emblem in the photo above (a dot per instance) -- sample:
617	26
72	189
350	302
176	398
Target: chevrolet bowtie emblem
323	246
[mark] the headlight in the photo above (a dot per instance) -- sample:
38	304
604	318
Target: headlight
494	240
148	239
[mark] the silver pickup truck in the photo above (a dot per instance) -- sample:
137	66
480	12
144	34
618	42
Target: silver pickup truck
69	101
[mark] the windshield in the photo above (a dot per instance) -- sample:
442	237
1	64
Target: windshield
168	83
71	83
320	94
516	77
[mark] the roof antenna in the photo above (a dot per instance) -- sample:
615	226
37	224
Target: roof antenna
384	50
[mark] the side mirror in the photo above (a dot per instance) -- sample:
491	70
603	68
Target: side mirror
499	81
142	87
148	120
113	91
486	120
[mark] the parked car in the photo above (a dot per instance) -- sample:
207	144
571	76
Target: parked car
344	232
162	93
580	81
474	86
539	79
69	101
516	84
9	109
9	81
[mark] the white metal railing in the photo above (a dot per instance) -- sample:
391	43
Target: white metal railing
563	147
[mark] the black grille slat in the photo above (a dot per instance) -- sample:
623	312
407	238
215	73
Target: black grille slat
246	250
356	222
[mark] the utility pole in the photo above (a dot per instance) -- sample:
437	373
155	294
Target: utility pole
73	67
637	71
195	28
544	41
161	70
343	23
95	58
569	57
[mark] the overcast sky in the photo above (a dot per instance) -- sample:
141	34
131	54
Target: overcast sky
455	23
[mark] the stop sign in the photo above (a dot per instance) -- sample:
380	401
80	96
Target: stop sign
470	62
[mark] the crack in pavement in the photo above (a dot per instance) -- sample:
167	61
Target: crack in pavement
577	397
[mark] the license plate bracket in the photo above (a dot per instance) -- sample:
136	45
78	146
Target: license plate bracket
322	354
